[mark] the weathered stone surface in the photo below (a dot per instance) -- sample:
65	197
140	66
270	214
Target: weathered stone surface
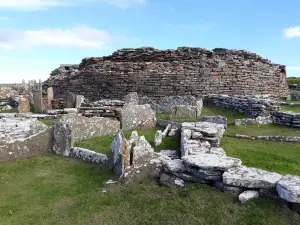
252	106
248	195
175	166
196	135
134	115
71	110
63	138
134	137
33	145
288	188
172	154
211	162
183	111
171	181
158	138
50	97
250	177
71	99
131	98
24	106
117	154
205	174
173	132
214	119
87	155
232	189
166	130
38	101
199	107
210	129
79	100
85	128
251	121
217	151
148	124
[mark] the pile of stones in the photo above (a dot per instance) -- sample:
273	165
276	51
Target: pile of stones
249	105
102	108
203	161
18	128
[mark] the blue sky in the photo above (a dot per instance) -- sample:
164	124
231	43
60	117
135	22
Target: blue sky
36	36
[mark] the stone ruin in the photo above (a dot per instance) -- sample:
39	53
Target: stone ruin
158	73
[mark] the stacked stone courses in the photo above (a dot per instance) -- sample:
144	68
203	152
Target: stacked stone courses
157	73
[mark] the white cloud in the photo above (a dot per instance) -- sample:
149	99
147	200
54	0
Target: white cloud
292	32
296	68
81	36
32	5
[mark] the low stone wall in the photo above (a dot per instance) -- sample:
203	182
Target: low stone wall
294	139
85	128
251	121
102	108
287	118
295	96
206	164
164	105
250	106
34	145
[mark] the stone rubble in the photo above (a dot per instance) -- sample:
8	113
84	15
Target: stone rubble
248	195
288	188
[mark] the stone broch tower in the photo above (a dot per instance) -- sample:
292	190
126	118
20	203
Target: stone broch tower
184	71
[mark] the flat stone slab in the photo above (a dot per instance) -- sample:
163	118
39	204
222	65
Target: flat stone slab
248	195
250	177
172	154
288	188
211	161
206	174
175	166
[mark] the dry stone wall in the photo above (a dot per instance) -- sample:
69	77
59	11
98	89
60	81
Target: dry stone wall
157	73
250	106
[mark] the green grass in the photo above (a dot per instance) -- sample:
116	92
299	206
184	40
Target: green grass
262	130
290	108
12	110
48	122
291	101
102	144
209	111
293	81
50	189
271	156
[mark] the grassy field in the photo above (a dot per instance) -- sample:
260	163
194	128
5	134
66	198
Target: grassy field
272	156
262	130
209	111
290	108
50	189
12	110
293	81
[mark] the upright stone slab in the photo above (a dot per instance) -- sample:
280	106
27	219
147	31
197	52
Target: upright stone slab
131	98
24	106
132	116
79	100
288	188
117	154
63	138
184	111
38	100
50	97
71	99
